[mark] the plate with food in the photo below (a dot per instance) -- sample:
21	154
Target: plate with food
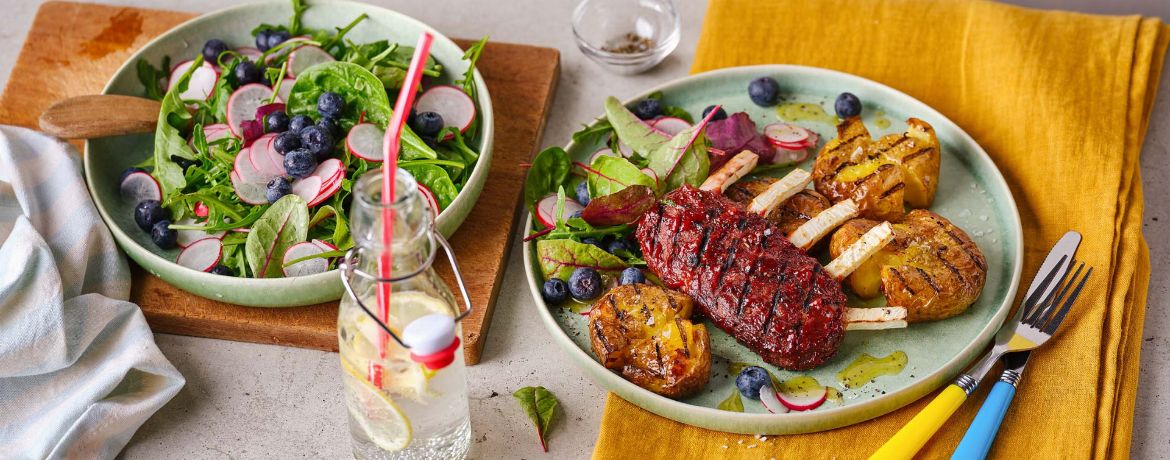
771	249
269	113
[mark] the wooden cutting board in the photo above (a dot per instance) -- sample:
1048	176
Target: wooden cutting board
74	48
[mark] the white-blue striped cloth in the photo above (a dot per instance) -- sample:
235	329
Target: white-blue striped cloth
79	369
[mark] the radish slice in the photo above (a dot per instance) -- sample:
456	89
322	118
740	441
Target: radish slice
329	171
325	193
602	153
771	400
365	141
249	52
451	103
546	209
327	246
265	158
432	202
285	89
306	56
216	132
624	149
784	133
786	156
139	186
304	267
670	125
243	103
804	400
201	209
201	255
245	169
201	84
307	188
186	238
254	193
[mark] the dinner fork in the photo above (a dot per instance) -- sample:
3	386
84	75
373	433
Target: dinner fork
1040	314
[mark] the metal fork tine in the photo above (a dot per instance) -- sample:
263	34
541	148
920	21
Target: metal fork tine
1052	307
1034	299
1037	312
1055	323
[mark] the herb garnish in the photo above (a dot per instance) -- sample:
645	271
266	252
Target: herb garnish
540	405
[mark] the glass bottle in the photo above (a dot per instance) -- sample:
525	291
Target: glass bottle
401	405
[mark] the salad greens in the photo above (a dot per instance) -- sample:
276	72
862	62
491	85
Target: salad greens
610	174
284	224
541	406
169	140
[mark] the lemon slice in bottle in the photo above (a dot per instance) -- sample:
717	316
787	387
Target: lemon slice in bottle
401	376
382	421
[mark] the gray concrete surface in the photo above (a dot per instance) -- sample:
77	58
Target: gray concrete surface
258	401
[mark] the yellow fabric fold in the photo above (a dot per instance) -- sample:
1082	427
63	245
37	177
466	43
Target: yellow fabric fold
1061	102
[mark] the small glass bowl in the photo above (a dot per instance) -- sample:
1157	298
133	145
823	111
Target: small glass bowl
626	36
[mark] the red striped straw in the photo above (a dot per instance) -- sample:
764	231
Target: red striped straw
391	145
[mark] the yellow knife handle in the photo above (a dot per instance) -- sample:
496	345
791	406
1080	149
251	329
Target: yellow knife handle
914	435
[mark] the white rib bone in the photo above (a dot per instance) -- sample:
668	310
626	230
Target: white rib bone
860	251
869	319
806	235
735	168
780	191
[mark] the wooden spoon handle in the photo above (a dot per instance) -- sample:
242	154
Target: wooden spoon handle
85	117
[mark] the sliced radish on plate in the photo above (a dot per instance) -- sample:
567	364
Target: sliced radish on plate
624	149
185	238
771	400
784	133
139	186
285	89
265	159
304	267
306	56
201	255
249	52
329	171
245	168
254	193
307	188
802	393
327	246
243	103
429	196
365	140
326	192
602	153
451	103
201	84
786	156
216	132
546	209
670	125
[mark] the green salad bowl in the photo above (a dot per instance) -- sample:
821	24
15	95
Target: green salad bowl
106	158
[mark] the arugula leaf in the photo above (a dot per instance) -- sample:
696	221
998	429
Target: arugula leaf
733	403
363	93
632	130
683	160
153	78
541	406
549	171
387	61
559	257
173	117
468	81
294	23
284	224
435	179
610	174
339	37
222	92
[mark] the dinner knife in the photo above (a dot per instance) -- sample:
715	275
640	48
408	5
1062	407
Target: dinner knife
981	434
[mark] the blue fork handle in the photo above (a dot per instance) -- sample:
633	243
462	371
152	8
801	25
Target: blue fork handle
983	429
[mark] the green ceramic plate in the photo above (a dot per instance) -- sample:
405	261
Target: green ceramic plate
972	194
106	158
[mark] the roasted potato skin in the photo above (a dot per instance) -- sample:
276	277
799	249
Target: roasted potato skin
792	213
932	268
882	176
644	332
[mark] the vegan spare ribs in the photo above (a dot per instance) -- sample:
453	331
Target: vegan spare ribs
745	276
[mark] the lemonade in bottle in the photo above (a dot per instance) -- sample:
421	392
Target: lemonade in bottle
403	403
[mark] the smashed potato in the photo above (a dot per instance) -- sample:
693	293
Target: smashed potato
883	176
644	332
792	213
931	268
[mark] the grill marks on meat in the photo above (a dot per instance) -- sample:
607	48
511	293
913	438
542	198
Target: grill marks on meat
745	276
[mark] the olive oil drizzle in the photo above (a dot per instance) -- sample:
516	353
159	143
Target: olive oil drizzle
804	111
866	368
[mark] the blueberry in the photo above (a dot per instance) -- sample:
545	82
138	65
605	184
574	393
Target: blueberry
430	141
594	242
647	109
427	124
719	114
276	122
212	49
162	235
585	284
149	212
299	122
750	380
183	162
276	37
247	73
300	163
331	125
277	188
286	142
617	245
317	140
128	172
583	193
330	104
847	105
764	91
262	39
632	276
220	269
554	291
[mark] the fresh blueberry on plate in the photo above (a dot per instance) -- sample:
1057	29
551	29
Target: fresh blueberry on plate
750	380
719	114
583	193
300	163
277	187
262	39
224	270
276	122
212	49
276	37
648	109
847	105
632	276
585	284
149	212
286	142
554	291
299	122
317	140
427	124
764	91
162	235
247	73
330	104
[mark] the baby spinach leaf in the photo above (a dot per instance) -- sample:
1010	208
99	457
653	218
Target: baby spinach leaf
591	134
549	171
610	174
363	93
558	258
733	403
632	131
284	224
435	179
682	160
541	406
173	117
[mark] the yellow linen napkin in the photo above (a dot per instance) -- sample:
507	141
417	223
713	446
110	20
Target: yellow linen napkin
1061	102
